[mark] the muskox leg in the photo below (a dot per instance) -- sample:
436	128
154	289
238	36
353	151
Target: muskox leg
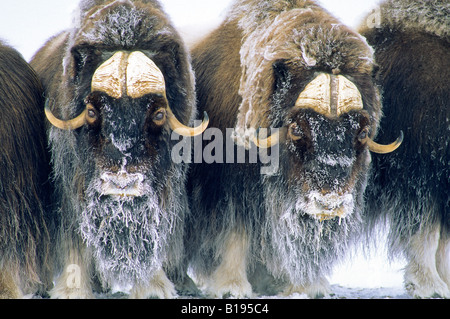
9	288
159	287
443	257
75	282
230	277
422	279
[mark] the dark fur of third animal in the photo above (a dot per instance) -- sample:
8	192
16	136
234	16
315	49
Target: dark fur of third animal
409	189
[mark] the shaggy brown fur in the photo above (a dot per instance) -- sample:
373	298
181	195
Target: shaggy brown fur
133	240
249	73
412	47
271	33
24	239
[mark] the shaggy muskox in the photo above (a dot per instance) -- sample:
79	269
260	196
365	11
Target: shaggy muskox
24	187
410	188
288	65
116	86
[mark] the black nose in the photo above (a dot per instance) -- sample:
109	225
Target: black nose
112	153
328	178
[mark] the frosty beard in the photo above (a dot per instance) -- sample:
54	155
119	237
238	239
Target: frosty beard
299	247
128	235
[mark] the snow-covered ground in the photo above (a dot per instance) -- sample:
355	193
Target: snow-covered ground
27	24
367	274
370	277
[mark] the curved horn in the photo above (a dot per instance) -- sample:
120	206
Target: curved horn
184	130
73	124
274	139
268	142
384	149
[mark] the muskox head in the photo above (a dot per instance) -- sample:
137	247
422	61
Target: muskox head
126	114
312	78
126	74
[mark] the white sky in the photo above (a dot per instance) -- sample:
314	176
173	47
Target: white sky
27	24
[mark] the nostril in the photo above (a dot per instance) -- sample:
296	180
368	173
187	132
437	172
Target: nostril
114	169
112	153
132	169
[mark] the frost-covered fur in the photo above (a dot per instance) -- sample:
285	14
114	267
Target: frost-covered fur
271	32
409	188
298	247
431	16
252	233
129	241
223	232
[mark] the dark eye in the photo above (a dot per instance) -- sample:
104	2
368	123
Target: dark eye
159	117
363	135
295	132
91	114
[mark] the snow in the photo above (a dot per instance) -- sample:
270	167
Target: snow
27	24
361	277
369	277
365	276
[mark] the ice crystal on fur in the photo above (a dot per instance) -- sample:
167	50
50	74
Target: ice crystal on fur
432	16
119	26
128	235
301	247
120	202
276	36
409	188
316	204
279	47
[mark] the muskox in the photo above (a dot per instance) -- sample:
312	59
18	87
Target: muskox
290	66
117	85
24	187
410	188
